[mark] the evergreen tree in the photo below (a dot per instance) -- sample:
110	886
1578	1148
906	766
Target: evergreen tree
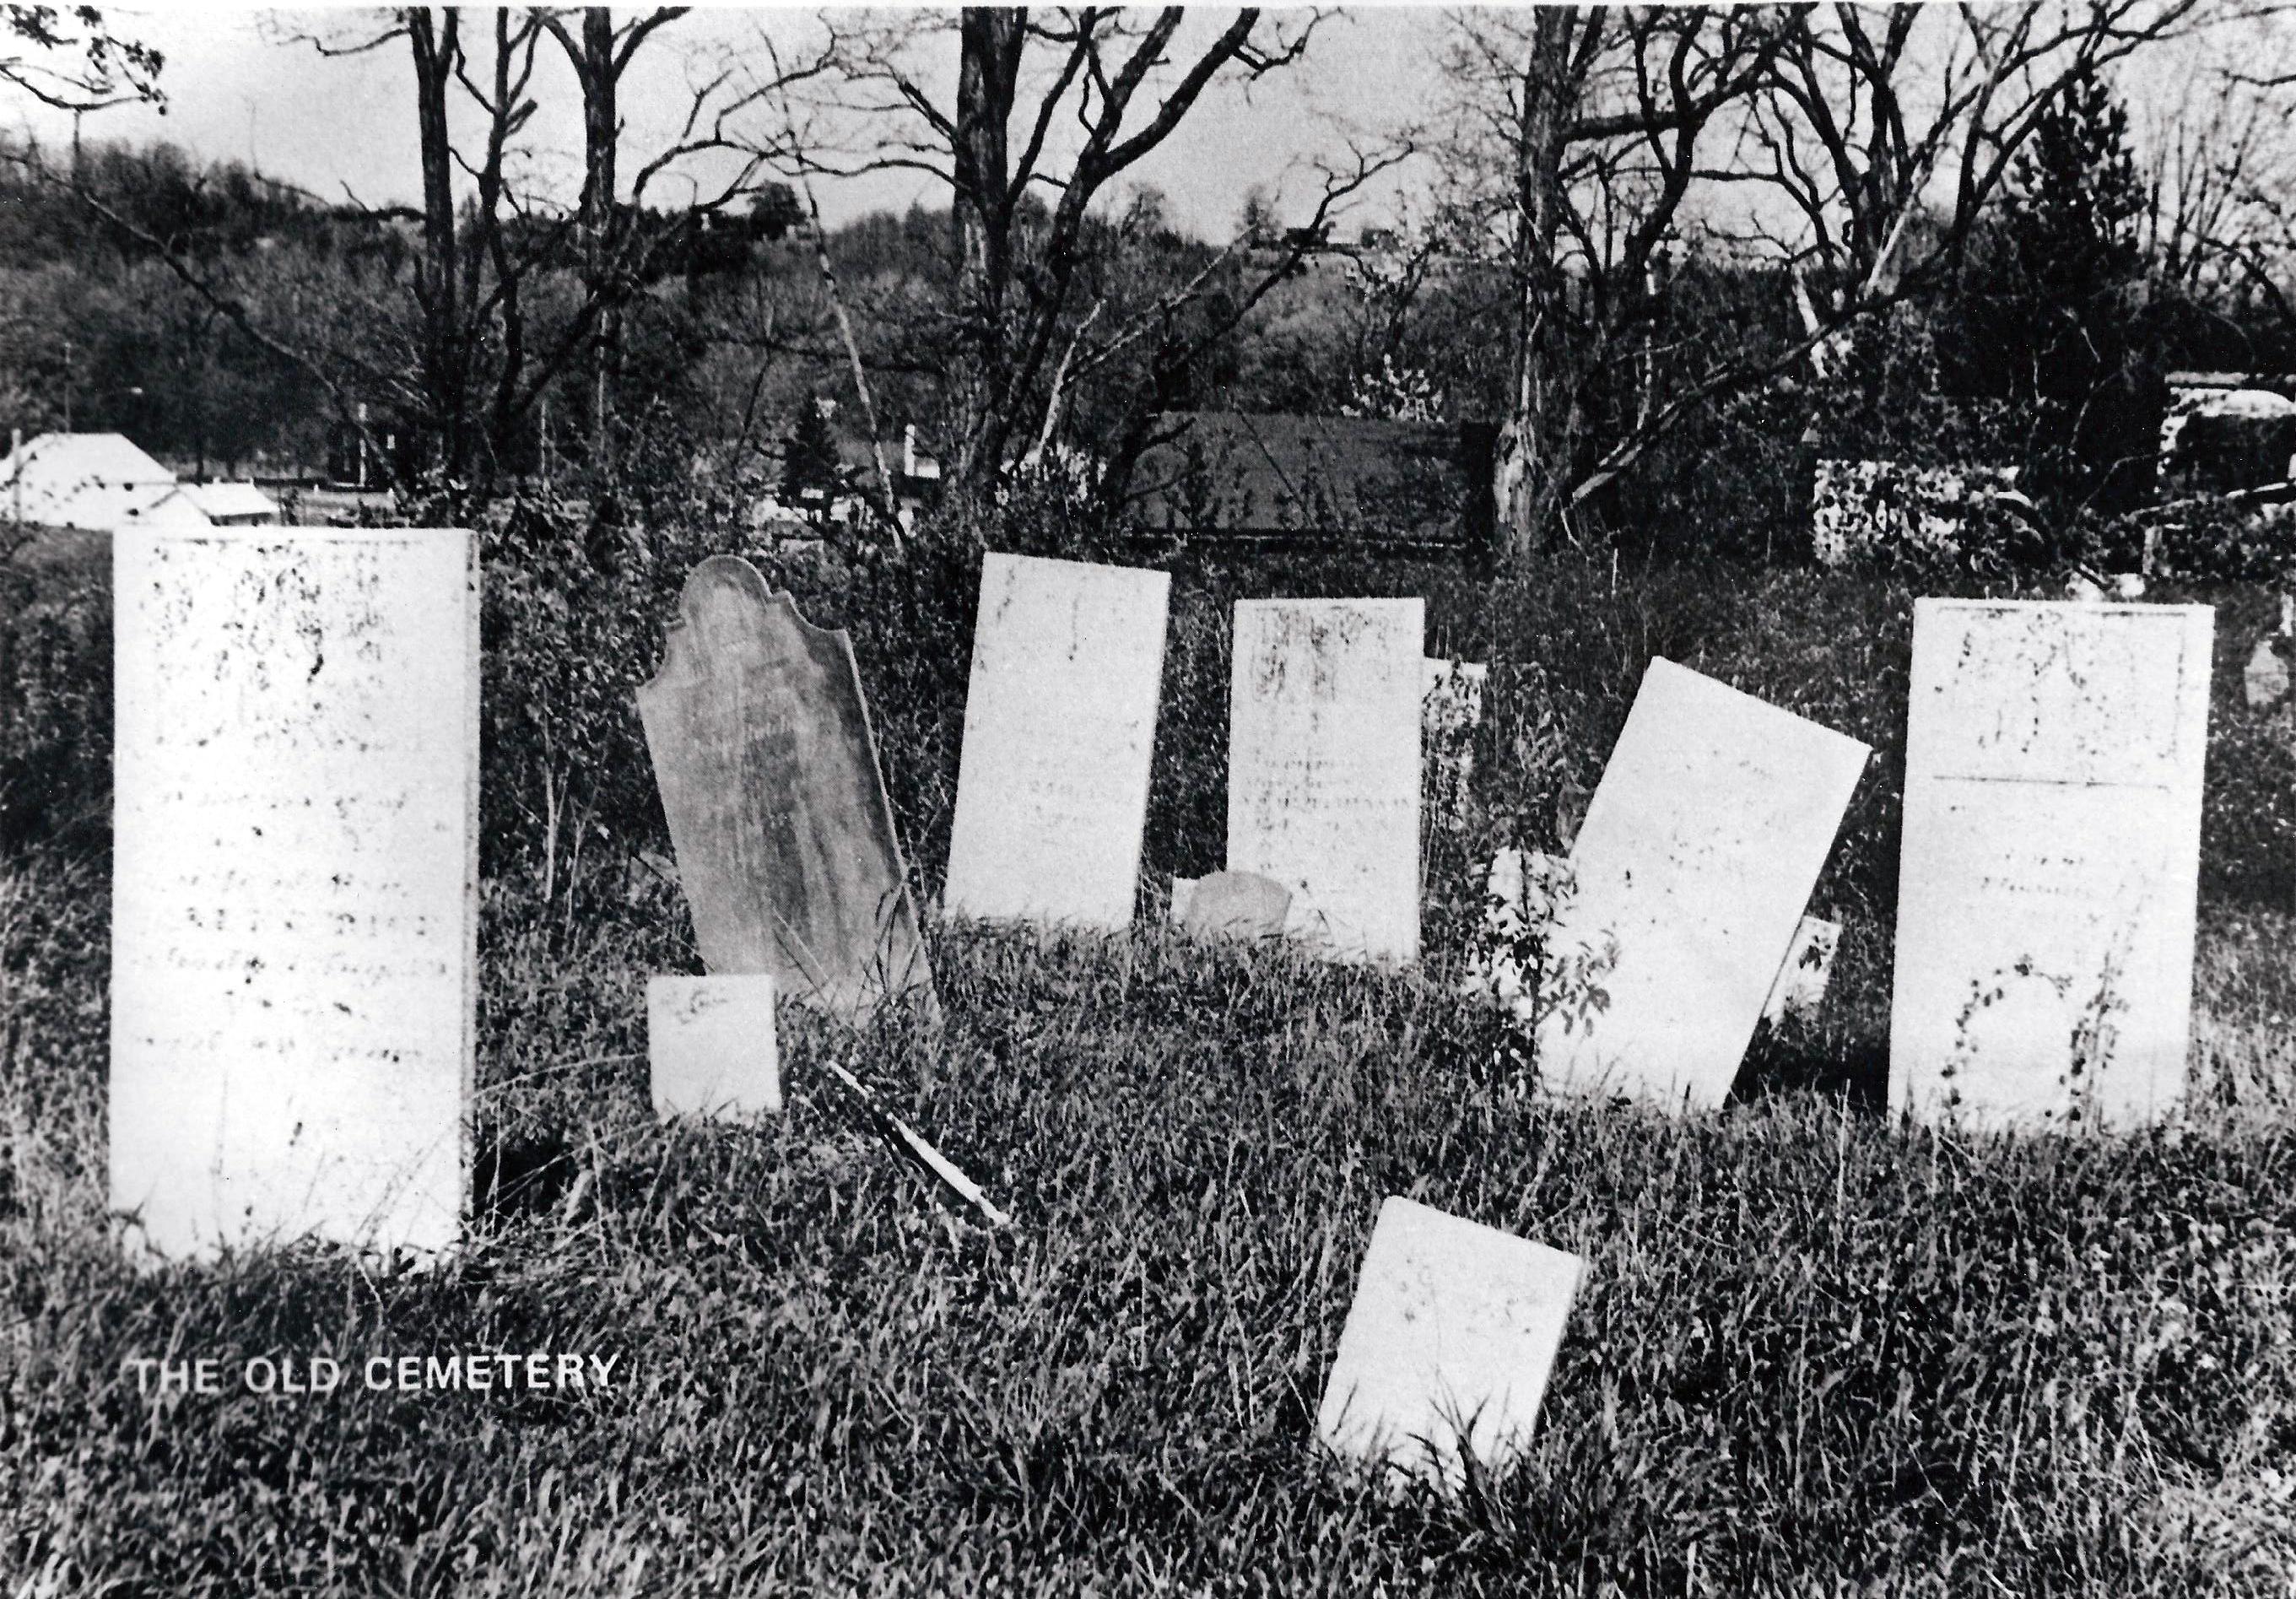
2055	316
809	460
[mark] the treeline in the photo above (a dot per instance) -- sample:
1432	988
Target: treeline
234	322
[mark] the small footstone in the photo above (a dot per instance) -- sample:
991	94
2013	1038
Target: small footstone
711	1048
1449	1345
1232	904
2266	680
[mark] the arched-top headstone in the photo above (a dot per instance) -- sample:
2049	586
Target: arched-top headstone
769	777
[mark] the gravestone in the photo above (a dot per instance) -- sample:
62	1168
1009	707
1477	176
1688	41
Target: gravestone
2266	680
1451	710
1449	1342
1060	725
711	1050
762	749
1324	774
1701	846
294	870
2050	861
1231	905
1800	986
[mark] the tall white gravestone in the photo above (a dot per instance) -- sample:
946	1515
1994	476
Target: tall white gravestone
1323	753
2049	869
1060	729
1701	846
295	856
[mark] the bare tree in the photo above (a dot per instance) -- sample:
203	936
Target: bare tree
1049	109
68	58
1854	147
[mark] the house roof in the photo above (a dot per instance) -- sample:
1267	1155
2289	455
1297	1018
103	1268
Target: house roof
1321	479
231	500
95	481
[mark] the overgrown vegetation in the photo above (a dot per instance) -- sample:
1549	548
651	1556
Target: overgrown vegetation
1816	1352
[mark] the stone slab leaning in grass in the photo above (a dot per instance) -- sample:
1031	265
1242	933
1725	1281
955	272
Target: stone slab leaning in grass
2050	863
761	746
1060	728
1323	774
1714	816
296	753
711	1051
1448	1346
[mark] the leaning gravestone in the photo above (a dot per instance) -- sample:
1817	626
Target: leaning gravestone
711	1050
1323	779
768	773
294	864
1060	725
2050	862
1700	849
1448	1346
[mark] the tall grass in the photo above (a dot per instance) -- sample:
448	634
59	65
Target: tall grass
1818	1352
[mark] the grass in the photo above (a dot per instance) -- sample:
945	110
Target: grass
1818	1353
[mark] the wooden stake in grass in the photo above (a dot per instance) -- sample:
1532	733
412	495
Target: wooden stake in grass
906	1139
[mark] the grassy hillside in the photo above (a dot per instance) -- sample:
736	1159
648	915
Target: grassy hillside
1817	1352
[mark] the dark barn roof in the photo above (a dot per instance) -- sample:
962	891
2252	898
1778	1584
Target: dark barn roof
1324	481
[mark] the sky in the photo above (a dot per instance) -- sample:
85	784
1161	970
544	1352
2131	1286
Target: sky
239	86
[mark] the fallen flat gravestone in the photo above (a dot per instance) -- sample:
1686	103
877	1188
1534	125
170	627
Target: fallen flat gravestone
1059	723
2050	861
1698	851
1801	987
1230	904
1448	1346
1323	778
294	865
711	1047
768	773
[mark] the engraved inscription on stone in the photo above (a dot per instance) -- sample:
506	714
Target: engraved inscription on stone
1713	818
1060	726
768	774
2050	863
1323	766
293	885
711	1047
1449	1345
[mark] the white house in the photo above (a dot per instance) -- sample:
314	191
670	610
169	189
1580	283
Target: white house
102	482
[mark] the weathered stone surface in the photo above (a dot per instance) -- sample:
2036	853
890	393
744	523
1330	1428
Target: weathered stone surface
769	777
1705	838
1448	1344
1324	772
1060	726
1801	987
294	866
1232	905
2049	868
711	1048
2266	680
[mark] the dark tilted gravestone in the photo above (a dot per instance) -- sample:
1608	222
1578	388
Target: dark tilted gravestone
769	777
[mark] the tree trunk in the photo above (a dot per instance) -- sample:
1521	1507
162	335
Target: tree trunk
600	136
981	215
436	46
1532	468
